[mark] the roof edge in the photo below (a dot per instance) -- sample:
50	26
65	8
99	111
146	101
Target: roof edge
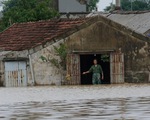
30	22
129	12
90	21
8	28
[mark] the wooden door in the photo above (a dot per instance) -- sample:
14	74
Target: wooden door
117	67
73	69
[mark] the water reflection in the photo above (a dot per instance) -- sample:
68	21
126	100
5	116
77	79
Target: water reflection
100	109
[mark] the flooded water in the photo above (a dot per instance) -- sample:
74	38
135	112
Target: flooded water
111	102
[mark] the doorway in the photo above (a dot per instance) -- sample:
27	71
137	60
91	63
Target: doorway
86	61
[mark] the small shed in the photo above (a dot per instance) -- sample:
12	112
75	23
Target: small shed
123	53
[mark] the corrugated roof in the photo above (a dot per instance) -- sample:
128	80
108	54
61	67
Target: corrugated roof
137	21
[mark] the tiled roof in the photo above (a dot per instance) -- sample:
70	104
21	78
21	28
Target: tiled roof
23	36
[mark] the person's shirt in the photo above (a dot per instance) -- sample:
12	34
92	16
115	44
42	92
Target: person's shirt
96	69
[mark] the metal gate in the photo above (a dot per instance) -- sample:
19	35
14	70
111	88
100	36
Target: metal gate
15	74
117	67
73	69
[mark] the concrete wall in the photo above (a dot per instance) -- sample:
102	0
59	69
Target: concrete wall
102	37
46	73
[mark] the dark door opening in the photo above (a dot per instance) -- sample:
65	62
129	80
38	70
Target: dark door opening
86	61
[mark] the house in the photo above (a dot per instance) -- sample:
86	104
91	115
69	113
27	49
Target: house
121	46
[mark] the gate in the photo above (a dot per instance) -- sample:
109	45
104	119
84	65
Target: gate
117	67
15	74
73	69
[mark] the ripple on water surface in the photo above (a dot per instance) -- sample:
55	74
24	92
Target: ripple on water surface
104	109
103	102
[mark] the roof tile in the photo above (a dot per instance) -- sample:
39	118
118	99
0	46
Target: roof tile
21	36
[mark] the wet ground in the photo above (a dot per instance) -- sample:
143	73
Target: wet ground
111	102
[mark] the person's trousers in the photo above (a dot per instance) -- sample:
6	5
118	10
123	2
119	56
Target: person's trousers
96	78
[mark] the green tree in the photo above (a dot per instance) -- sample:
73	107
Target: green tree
92	5
134	5
110	7
16	11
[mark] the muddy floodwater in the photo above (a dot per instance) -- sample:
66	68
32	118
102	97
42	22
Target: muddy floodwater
103	102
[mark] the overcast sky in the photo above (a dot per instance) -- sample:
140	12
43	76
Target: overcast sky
103	3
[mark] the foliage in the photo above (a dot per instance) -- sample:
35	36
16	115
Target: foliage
16	11
60	51
136	5
92	5
110	7
55	62
44	59
105	58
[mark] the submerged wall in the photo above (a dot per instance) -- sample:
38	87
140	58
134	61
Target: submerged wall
14	56
101	37
45	73
98	37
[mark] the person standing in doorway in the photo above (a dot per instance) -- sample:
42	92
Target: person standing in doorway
97	72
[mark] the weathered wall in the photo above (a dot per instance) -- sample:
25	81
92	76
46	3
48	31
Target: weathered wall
14	55
102	37
46	73
98	37
94	38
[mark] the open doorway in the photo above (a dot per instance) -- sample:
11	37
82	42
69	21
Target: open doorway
86	61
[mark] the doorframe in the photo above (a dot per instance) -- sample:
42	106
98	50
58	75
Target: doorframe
110	52
98	52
